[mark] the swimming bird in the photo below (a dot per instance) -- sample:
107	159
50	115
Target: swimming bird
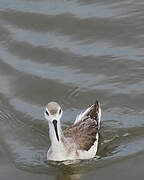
80	140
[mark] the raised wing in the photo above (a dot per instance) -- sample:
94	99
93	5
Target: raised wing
94	110
84	131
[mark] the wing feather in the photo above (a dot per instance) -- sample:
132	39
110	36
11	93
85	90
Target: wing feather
84	131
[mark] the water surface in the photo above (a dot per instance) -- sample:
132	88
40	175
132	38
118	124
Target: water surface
72	52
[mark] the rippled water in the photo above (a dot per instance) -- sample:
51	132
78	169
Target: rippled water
70	51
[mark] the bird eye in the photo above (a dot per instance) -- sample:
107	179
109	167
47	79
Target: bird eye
47	113
60	111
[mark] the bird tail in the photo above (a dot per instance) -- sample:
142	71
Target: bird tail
95	112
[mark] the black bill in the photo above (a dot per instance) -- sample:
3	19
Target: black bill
55	126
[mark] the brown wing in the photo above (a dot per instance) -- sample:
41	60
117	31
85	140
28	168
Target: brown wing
84	132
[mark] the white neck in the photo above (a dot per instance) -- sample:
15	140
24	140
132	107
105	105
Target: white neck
54	141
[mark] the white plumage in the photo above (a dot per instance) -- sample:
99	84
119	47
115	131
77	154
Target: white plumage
79	141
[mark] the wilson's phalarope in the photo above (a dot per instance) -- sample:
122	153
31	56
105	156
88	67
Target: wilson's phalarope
79	141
